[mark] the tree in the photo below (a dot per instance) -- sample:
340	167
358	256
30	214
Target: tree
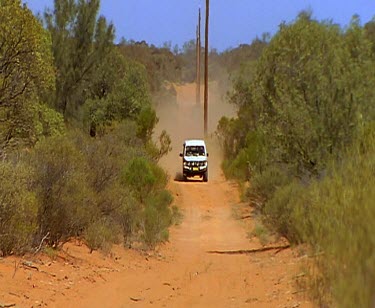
311	87
126	96
26	73
80	41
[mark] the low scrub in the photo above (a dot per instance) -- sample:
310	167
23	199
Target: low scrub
335	216
262	233
101	190
158	217
129	218
61	183
18	208
286	210
144	177
101	235
341	230
264	185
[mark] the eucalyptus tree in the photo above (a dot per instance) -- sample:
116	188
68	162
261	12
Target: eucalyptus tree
314	85
26	74
80	41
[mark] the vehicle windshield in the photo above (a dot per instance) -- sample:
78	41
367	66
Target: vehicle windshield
194	151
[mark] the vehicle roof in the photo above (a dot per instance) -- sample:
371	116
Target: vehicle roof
190	142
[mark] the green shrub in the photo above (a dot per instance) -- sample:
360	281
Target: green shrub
311	97
124	181
250	158
238	168
231	134
18	209
154	227
266	183
261	232
116	199
335	216
146	122
138	174
286	209
342	216
144	177
129	217
61	181
160	175
105	157
157	218
102	234
118	203
160	200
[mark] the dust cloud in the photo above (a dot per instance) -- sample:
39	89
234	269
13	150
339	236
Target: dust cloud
184	120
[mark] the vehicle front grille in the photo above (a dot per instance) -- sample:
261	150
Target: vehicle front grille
195	163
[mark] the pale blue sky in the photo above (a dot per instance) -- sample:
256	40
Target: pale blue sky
232	22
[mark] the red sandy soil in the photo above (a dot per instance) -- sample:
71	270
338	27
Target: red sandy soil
180	273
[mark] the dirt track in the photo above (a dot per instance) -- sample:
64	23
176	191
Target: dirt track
181	273
187	276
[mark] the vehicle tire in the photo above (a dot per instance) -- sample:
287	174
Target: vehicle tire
184	177
205	176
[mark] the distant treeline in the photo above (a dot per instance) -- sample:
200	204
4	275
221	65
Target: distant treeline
178	65
304	139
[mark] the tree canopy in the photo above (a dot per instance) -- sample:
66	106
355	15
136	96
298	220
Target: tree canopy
309	94
27	75
80	41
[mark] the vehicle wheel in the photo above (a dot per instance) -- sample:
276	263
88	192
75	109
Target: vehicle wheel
184	177
205	177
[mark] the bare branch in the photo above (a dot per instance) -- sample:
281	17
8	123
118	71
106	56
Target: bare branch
248	251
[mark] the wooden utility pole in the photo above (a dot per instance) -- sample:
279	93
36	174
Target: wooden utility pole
198	47
206	69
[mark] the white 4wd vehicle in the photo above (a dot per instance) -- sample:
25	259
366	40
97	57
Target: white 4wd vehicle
194	161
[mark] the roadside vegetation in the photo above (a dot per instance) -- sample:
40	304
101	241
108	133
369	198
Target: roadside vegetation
77	153
304	140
